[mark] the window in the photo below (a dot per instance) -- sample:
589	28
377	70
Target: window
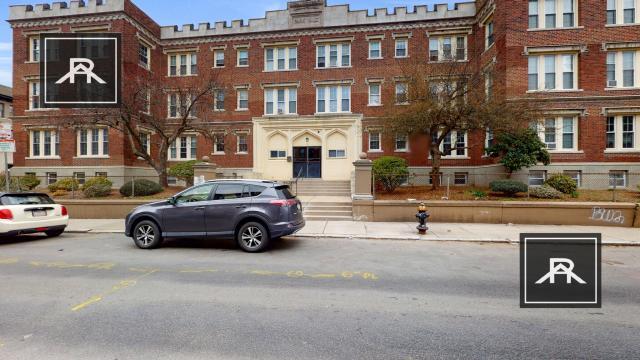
243	148
628	15
551	66
339	55
281	58
281	101
34	95
622	69
52	178
230	192
618	178
537	177
402	143
628	65
549	14
622	133
218	58
460	179
243	99
489	35
402	48
277	154
611	12
448	48
339	98
218	144
559	133
144	55
576	175
375	49
488	85
173	105
103	174
93	142
454	144
533	14
568	13
80	177
44	144
337	154
183	64
243	57
557	13
629	11
197	194
218	100
34	49
488	139
374	94
184	148
611	69
374	141
145	141
402	89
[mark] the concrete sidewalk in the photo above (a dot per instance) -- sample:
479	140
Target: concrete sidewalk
407	231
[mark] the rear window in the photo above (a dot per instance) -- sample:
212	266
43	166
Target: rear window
284	193
255	190
26	200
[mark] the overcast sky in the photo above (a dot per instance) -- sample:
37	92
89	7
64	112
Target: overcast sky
166	13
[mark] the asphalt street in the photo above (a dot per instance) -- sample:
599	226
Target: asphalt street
98	297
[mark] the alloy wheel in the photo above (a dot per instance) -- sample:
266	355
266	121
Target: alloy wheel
252	237
145	235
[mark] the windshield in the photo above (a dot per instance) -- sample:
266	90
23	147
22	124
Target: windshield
26	199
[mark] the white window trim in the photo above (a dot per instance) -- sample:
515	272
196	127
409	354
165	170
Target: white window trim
454	48
620	70
327	94
278	157
53	155
406	148
559	131
215	100
215	143
148	136
148	64
179	63
375	40
558	71
238	51
287	98
487	46
336	157
178	142
454	142
559	16
543	178
238	91
287	58
30	58
238	152
379	84
178	107
395	47
625	177
327	57
379	149
215	58
100	154
30	88
406	93
466	178
618	132
620	14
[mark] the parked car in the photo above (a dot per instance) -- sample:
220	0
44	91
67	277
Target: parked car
253	212
29	213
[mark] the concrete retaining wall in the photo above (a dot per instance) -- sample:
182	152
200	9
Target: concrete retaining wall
495	212
100	209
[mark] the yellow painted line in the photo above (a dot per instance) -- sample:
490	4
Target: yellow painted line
8	261
324	276
264	272
65	265
121	285
197	271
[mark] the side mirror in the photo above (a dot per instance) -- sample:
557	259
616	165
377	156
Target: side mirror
171	201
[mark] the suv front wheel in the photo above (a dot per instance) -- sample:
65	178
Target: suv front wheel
147	235
253	237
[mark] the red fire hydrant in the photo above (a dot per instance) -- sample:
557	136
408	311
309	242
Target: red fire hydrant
422	217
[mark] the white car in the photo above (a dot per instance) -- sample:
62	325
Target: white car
29	213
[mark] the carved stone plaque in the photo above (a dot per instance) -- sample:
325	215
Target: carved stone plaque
306	13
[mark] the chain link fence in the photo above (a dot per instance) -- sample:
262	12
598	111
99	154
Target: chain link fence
616	186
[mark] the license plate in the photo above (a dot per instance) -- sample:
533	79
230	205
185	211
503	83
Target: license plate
37	213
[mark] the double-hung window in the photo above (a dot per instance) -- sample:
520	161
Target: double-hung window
242	95
281	101
448	48
375	92
144	55
557	14
559	133
454	144
333	98
183	64
402	143
145	142
622	69
34	95
333	55
375	49
93	142
174	105
402	48
218	100
184	148
618	178
34	49
628	68
629	11
218	58
402	93
622	133
281	58
553	72
489	34
622	12
374	141
243	146
44	143
243	57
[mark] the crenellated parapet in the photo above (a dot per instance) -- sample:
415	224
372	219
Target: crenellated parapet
62	9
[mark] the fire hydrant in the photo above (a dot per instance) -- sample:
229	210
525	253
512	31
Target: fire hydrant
422	217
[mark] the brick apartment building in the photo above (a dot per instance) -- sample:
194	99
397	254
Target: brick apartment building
306	84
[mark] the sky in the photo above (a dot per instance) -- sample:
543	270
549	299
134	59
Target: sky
207	11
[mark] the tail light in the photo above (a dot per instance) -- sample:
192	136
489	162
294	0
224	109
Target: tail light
6	214
64	211
284	203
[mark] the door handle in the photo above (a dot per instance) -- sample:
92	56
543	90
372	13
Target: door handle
199	208
241	207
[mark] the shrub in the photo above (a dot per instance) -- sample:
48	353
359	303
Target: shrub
183	171
478	194
29	182
68	184
97	190
141	187
563	183
545	192
508	187
14	184
97	181
59	193
390	172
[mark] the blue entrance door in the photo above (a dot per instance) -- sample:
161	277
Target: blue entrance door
307	161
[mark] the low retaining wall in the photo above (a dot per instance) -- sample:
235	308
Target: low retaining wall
496	212
101	209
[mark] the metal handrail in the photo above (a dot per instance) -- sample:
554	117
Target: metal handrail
295	181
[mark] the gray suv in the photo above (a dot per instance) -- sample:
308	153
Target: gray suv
251	211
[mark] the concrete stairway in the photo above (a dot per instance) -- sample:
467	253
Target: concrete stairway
316	187
325	200
328	211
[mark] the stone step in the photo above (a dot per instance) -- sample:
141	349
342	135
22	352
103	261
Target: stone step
328	218
328	207
324	193
328	213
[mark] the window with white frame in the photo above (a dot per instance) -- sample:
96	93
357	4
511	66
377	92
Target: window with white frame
447	48
34	95
557	14
576	175
52	178
375	49
184	148
489	138
183	64
34	49
553	72
80	177
243	146
93	142
454	144
175	108
218	58
375	93
333	98
218	100
402	143
281	101
402	47
622	133
460	178
277	154
618	178
44	143
488	85
489	36
334	55
242	95
218	143
144	55
282	58
145	142
375	143
402	92
337	154
622	12
622	69
537	177
559	133
243	57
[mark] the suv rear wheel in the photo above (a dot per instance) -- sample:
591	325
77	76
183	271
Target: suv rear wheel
147	235
253	237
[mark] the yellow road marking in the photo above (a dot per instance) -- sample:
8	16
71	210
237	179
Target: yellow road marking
8	261
92	300
65	265
264	272
197	271
324	276
121	285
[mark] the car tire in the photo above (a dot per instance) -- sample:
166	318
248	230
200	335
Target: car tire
54	233
253	237
147	235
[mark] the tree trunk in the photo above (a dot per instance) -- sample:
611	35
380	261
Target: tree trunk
161	168
435	167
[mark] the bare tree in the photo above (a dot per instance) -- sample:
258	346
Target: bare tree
451	96
159	112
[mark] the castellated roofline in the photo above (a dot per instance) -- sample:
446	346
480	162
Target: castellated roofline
58	9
